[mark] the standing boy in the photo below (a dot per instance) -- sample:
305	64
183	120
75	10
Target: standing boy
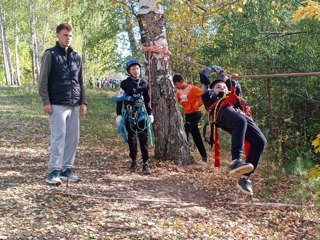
135	112
63	96
189	97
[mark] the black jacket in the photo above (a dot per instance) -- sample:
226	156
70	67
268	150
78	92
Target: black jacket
209	97
65	83
137	91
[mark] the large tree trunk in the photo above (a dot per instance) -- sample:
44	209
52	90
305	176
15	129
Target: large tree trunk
34	45
16	44
170	138
8	68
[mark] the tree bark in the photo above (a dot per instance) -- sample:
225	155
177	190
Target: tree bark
10	80
170	138
34	45
129	28
16	45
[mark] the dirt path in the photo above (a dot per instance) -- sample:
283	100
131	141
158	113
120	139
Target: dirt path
190	202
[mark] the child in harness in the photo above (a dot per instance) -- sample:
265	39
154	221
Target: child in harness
228	111
134	114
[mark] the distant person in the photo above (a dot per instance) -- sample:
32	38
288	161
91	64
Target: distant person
189	97
105	82
228	112
62	92
135	113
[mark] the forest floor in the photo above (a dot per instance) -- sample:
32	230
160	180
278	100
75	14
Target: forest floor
174	202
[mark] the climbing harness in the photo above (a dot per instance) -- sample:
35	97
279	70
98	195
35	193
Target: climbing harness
137	117
207	136
230	99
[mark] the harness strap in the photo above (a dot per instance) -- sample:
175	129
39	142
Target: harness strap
119	99
150	134
121	129
143	116
226	101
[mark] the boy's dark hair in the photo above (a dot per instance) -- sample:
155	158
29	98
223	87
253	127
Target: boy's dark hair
62	26
215	82
177	78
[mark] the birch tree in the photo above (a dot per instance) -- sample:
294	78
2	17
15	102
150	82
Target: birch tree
130	19
170	138
16	44
34	45
8	68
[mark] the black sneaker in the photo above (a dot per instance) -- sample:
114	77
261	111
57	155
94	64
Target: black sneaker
133	166
239	167
69	175
205	159
146	168
54	178
245	186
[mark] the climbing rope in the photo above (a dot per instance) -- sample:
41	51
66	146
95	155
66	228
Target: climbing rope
259	75
163	50
134	114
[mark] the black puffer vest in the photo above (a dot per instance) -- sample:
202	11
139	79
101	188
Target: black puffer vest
63	84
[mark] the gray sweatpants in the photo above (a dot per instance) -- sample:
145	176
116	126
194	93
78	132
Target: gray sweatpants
64	139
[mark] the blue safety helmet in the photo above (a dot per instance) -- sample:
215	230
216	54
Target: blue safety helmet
132	62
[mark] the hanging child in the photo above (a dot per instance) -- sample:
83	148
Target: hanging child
228	111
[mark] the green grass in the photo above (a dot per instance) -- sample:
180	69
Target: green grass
98	127
99	124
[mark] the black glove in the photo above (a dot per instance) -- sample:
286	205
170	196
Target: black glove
220	72
205	75
220	95
217	69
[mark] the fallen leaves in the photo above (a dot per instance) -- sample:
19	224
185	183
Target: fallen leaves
191	202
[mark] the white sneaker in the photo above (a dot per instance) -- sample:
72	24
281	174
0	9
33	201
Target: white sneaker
68	175
54	178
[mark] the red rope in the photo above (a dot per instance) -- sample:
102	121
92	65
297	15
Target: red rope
163	50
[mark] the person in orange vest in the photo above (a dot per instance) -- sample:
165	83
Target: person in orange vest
189	97
222	99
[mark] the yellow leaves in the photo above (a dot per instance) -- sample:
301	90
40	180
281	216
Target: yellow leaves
312	10
314	173
240	9
316	144
276	21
